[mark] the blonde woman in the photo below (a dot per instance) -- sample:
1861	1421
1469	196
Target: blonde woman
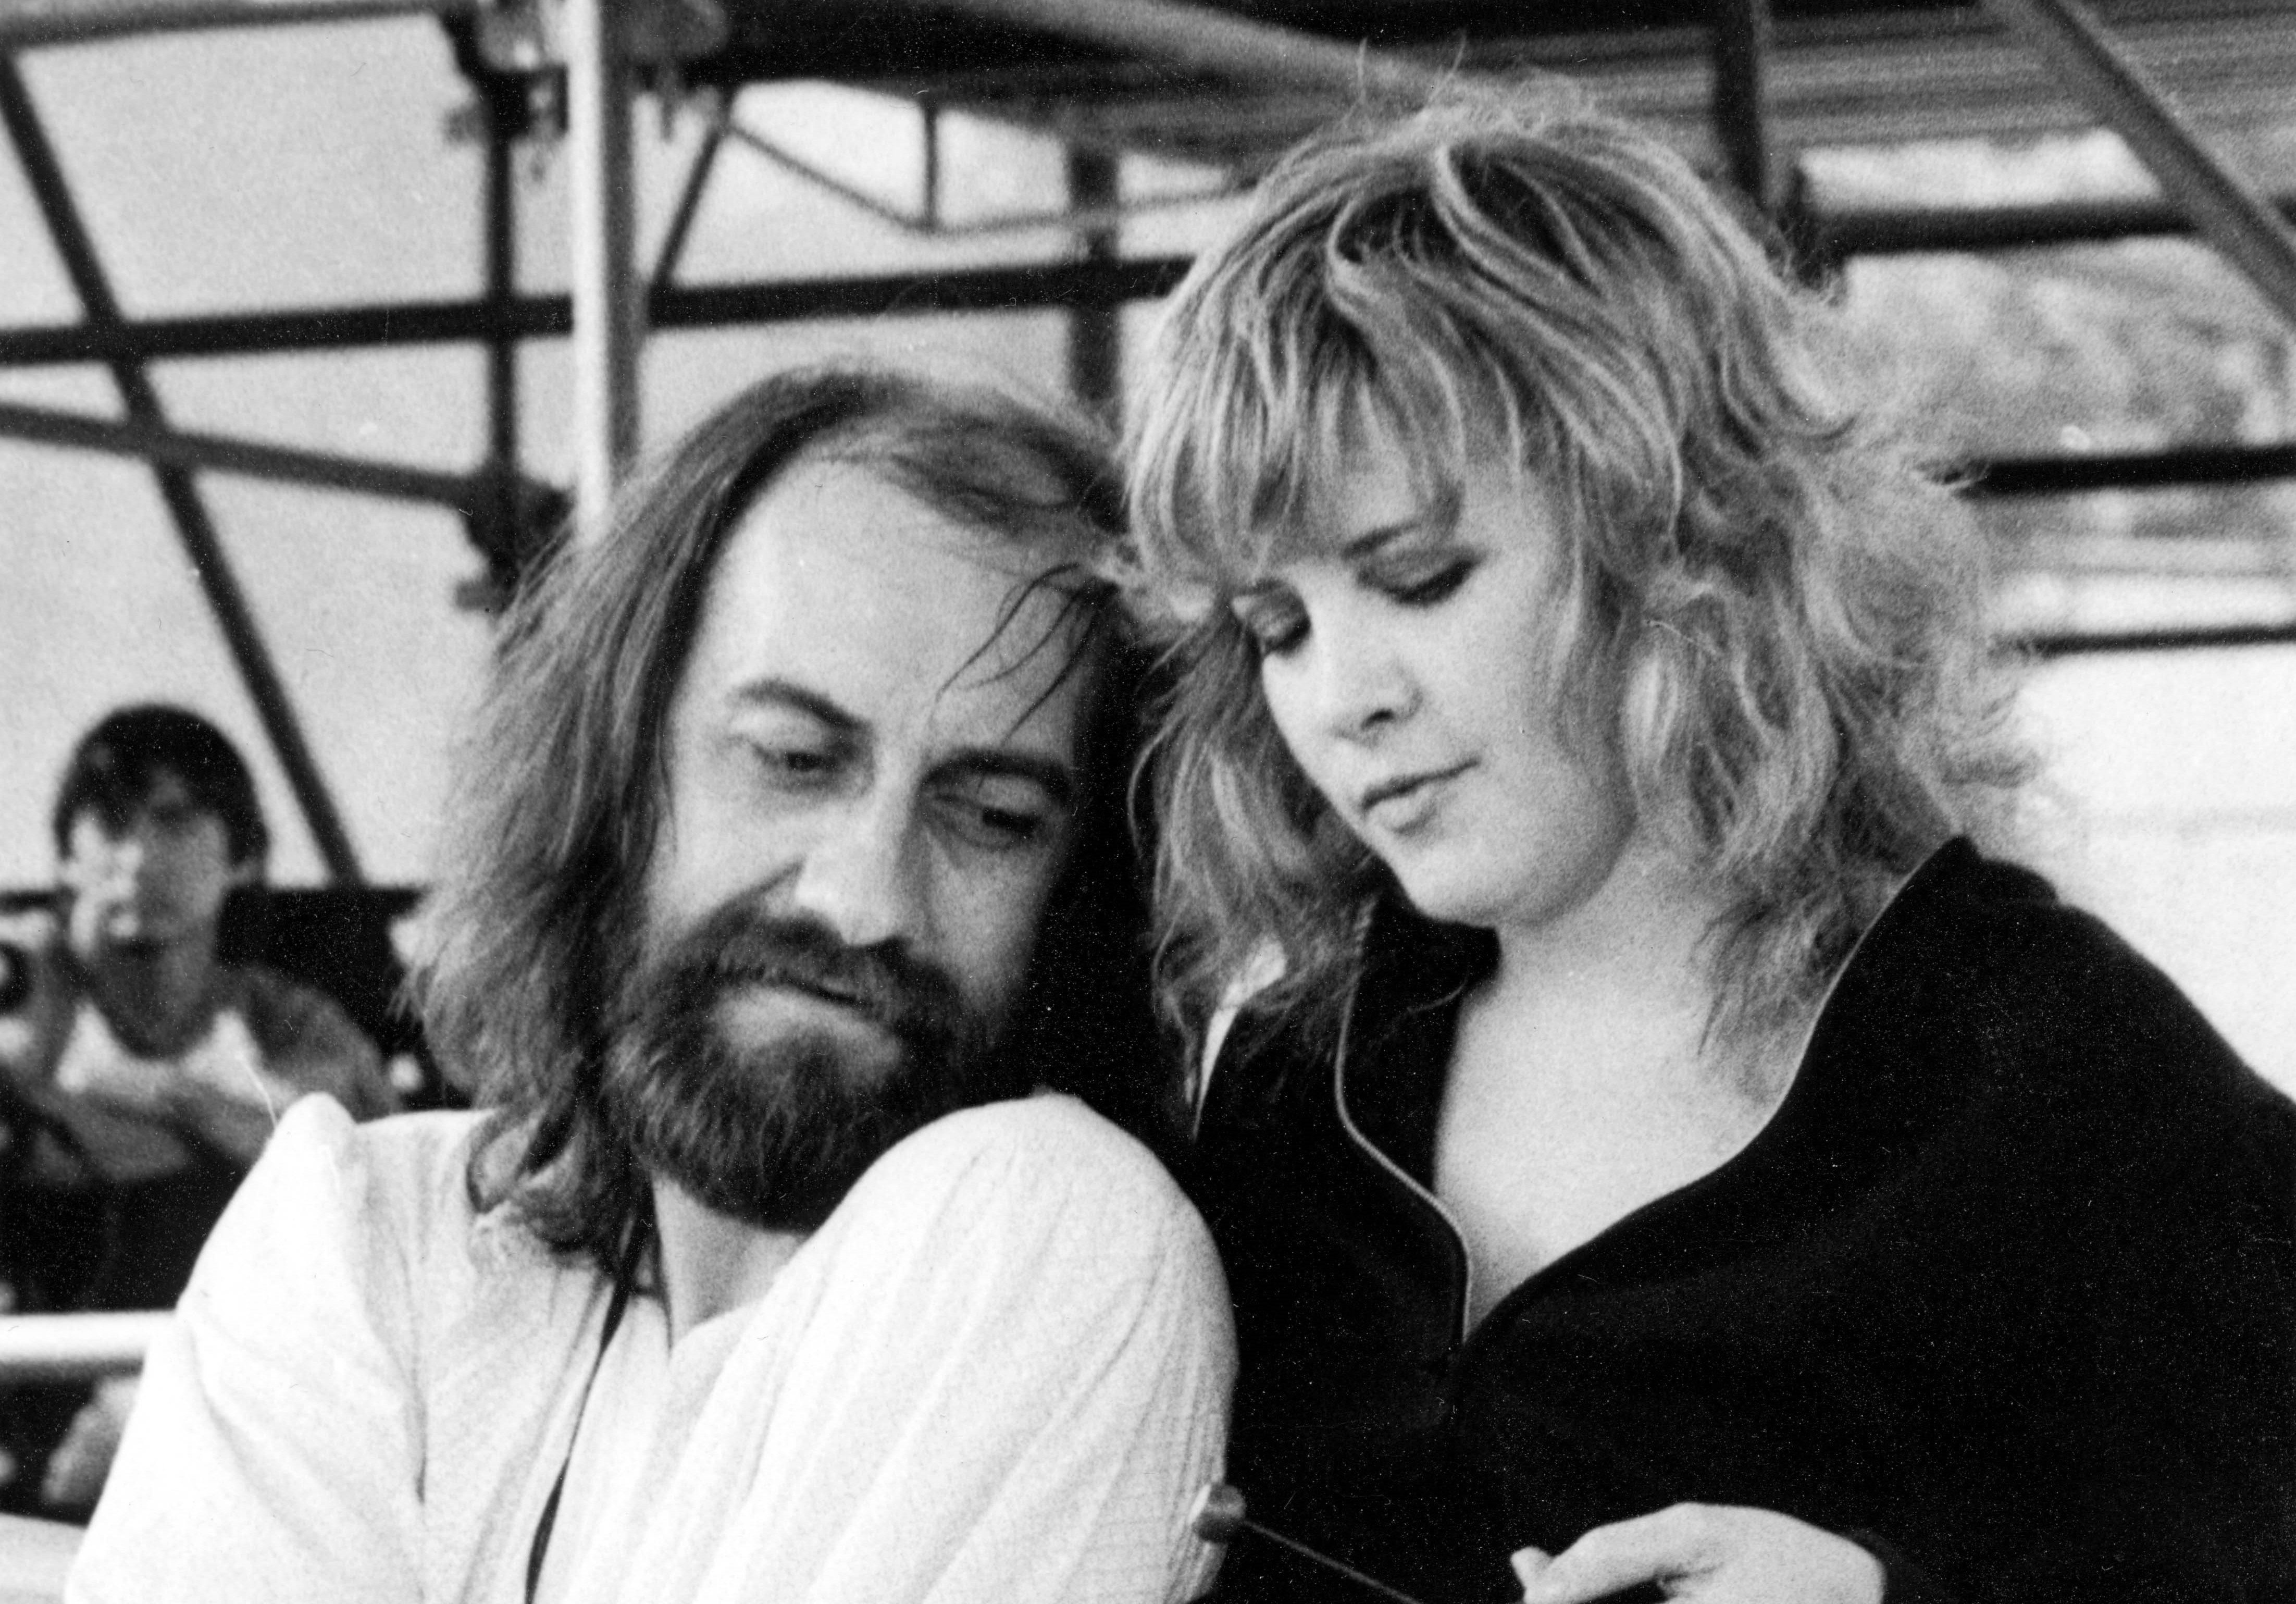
1651	1144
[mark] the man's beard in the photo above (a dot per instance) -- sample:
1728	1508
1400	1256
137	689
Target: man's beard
775	1131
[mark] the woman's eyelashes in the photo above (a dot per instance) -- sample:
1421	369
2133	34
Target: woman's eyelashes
1423	583
1276	622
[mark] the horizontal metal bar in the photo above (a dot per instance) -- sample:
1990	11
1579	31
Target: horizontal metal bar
1877	232
76	1346
2194	638
1051	285
1206	39
1047	286
159	444
86	20
2181	466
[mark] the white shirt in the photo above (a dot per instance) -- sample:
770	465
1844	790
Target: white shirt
998	1372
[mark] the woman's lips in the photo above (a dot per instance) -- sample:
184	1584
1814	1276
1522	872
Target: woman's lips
1407	802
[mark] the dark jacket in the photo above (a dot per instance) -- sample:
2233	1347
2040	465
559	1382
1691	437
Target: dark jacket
2006	1289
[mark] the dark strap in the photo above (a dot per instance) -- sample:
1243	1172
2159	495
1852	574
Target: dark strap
626	1277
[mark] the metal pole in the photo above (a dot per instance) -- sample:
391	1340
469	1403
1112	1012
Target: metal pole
1742	98
76	1346
605	288
545	316
2222	204
1095	334
89	20
285	465
1204	39
500	201
197	531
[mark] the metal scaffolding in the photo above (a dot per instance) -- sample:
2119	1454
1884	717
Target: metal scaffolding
1027	55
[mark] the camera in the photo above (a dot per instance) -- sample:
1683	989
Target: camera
15	977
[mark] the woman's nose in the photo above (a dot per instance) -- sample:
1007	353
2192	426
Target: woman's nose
1364	686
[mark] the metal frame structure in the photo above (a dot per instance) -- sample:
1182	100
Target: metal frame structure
1028	58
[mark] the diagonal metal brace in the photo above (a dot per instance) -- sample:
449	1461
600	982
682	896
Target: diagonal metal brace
194	526
2222	204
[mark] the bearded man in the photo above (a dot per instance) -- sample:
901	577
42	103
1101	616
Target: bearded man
787	865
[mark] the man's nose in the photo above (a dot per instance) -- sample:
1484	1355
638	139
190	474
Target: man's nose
862	875
126	855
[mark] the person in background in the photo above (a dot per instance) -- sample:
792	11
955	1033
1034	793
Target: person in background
1652	1146
790	862
141	1073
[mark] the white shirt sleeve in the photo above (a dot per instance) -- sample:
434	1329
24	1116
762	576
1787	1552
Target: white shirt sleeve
999	1373
273	1451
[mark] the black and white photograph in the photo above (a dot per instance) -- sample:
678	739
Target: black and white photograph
1039	802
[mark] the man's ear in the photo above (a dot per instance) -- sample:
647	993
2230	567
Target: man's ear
247	872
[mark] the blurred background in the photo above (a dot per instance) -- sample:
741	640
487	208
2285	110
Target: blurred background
350	240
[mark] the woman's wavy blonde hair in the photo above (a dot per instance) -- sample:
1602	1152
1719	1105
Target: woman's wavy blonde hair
1769	618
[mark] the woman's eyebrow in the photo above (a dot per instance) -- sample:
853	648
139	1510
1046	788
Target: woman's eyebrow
1418	525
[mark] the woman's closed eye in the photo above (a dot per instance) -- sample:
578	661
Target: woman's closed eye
1422	582
1274	624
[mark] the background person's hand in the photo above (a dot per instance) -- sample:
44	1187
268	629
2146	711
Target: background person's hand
78	1467
231	1126
1713	1554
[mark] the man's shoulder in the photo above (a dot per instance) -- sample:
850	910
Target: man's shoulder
1045	1162
1050	1135
402	1176
1036	1216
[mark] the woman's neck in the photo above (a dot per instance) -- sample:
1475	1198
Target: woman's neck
1641	931
1624	985
1585	1078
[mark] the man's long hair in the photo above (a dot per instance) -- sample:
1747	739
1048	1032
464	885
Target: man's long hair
564	783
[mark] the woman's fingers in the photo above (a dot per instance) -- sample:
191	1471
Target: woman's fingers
1665	1547
1711	1553
1527	1564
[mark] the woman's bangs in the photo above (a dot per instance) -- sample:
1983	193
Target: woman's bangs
1255	474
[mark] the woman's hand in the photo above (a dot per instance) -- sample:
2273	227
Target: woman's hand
1709	1552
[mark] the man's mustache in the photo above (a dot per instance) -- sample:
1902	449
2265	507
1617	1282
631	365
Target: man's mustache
739	944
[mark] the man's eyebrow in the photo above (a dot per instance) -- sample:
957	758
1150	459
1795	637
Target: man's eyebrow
773	691
1057	778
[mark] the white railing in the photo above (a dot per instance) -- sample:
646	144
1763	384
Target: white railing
56	1347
